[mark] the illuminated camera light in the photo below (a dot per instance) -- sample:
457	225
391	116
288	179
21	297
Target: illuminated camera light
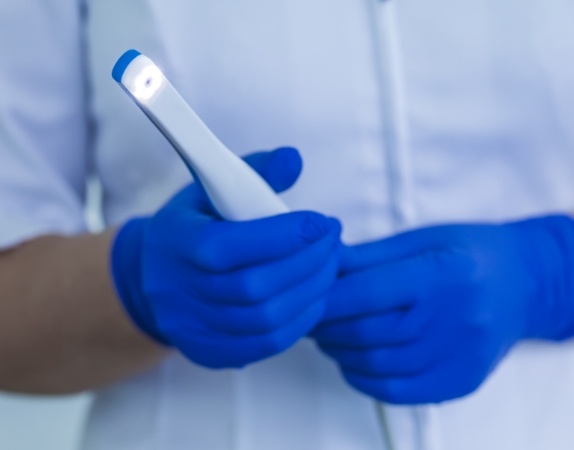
139	76
147	83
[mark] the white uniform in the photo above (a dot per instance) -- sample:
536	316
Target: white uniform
407	112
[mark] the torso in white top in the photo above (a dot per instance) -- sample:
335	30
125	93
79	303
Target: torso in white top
406	112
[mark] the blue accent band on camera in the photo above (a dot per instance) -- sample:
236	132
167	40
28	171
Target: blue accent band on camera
123	63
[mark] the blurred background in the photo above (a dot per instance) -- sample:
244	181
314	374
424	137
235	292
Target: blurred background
42	423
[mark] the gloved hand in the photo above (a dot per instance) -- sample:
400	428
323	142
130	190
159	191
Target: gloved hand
425	316
227	293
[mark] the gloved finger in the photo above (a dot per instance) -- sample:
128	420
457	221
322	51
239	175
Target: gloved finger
192	197
398	360
263	318
225	351
257	284
441	383
376	290
401	246
395	327
386	287
221	246
280	168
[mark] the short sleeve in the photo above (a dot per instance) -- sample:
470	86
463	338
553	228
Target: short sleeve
43	126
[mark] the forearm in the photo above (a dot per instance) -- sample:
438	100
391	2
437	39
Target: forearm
62	328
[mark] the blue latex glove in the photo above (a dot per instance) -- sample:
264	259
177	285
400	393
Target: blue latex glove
227	293
425	316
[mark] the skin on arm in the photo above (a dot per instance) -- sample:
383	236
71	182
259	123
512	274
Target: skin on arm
62	328
224	293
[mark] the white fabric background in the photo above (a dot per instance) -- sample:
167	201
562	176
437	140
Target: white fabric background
32	423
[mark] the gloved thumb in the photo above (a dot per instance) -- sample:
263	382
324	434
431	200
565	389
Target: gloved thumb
280	168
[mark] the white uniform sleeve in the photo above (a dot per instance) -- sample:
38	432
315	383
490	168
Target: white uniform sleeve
43	126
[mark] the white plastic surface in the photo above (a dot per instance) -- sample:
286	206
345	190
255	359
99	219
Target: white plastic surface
236	191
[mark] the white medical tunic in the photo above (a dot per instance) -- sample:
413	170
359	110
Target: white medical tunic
407	112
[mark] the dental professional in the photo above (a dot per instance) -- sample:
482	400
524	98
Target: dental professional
439	133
